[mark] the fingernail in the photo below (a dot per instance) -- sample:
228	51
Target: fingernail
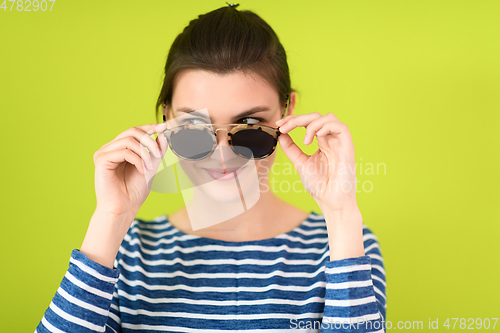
158	152
279	121
150	164
305	139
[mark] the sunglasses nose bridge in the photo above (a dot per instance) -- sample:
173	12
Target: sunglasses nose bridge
222	140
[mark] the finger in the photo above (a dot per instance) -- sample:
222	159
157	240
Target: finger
140	136
299	121
291	150
283	121
160	127
132	144
287	119
324	142
329	114
333	128
152	128
162	143
317	125
116	157
335	135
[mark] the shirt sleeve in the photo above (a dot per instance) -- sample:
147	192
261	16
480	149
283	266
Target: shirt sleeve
355	297
82	302
114	320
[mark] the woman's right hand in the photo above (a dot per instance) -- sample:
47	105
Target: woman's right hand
121	185
123	168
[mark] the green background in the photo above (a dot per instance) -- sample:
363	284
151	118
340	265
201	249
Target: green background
417	82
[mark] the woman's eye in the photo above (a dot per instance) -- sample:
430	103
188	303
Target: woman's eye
251	120
195	121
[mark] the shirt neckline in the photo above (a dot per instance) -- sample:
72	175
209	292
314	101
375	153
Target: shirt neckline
258	241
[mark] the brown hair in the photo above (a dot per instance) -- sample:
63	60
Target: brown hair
224	41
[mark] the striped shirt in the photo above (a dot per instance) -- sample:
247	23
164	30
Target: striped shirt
167	281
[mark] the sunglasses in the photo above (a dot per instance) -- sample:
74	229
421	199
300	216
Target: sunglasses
197	141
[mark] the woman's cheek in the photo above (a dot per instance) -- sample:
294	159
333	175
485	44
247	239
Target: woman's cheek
263	184
263	166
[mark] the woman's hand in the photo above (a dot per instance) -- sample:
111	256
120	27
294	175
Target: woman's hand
123	168
329	175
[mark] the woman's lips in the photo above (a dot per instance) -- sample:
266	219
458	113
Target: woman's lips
218	174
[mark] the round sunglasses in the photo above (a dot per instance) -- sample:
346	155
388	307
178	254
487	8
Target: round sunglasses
197	141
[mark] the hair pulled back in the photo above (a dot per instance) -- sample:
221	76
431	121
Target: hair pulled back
225	41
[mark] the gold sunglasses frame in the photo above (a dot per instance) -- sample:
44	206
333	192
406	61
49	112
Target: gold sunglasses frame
274	132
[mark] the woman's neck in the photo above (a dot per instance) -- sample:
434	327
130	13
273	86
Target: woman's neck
205	219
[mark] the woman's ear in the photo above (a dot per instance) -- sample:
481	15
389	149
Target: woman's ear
165	112
291	107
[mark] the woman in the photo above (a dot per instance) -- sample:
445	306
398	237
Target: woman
214	266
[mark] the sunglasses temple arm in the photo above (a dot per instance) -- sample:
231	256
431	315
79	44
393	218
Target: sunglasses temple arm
286	107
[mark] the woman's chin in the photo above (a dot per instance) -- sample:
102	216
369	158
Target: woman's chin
214	196
230	189
227	191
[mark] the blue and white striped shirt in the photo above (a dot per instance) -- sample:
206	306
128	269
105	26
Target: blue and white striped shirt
168	281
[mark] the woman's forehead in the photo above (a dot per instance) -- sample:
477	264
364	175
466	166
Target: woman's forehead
197	89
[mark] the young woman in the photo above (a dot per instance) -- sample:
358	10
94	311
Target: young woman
269	267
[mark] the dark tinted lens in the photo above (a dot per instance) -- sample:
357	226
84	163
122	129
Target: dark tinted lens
192	143
254	142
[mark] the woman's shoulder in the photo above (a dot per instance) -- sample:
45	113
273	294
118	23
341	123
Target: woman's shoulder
150	231
158	223
153	223
159	231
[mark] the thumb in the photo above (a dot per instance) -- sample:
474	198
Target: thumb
291	150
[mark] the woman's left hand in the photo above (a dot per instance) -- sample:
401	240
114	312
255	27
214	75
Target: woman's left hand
329	175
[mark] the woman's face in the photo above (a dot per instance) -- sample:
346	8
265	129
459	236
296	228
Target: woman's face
227	100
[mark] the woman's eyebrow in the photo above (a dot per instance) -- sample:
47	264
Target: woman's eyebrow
192	111
252	111
243	114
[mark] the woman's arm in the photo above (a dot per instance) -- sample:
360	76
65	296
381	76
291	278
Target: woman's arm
355	298
345	232
329	175
83	300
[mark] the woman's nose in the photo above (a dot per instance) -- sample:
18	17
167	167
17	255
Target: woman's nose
221	136
223	153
